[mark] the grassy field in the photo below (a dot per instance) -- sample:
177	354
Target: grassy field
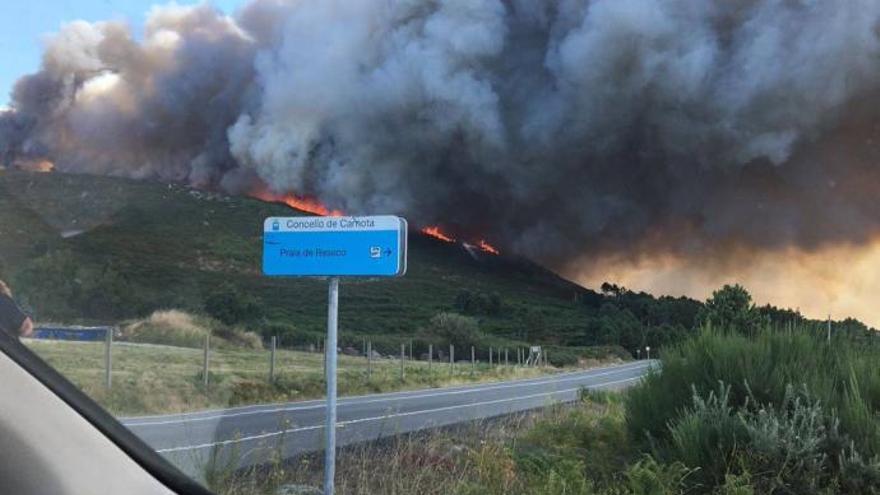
151	379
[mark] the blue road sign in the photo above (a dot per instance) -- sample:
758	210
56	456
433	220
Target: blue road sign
93	334
335	246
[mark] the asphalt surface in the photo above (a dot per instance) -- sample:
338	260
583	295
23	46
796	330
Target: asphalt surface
251	434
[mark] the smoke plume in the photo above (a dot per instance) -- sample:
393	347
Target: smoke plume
559	129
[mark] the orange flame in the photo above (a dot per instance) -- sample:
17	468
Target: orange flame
435	232
309	205
39	166
314	206
486	247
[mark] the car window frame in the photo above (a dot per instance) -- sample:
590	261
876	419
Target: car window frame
132	445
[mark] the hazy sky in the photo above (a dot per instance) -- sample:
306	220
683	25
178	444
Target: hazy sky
23	25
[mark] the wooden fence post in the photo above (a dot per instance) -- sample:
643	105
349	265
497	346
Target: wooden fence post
108	357
451	358
402	359
272	360
206	359
473	361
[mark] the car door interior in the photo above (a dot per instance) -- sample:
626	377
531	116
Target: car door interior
55	440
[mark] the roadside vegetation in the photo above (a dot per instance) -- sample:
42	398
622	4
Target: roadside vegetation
741	408
562	450
777	412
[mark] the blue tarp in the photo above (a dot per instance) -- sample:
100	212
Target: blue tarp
88	334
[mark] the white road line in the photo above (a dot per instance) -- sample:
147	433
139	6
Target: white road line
355	398
437	393
386	417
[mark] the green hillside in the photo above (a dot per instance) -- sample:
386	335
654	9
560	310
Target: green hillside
89	249
97	249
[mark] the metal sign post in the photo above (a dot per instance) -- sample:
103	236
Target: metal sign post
334	247
330	423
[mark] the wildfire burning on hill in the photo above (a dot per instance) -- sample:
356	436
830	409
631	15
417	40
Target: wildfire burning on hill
485	246
315	207
35	165
566	131
436	233
309	205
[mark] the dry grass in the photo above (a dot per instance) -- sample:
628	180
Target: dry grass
430	463
153	379
490	457
171	327
182	329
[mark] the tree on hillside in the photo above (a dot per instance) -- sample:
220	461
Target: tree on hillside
452	328
613	290
852	329
781	317
731	309
478	303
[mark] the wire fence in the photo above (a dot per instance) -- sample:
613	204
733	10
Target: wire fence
414	356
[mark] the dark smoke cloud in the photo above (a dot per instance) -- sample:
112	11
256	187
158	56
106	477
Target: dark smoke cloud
554	128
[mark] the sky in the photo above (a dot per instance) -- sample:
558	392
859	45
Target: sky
24	26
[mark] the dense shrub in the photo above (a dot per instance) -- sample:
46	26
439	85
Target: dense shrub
232	306
59	286
478	303
778	413
292	336
707	436
458	330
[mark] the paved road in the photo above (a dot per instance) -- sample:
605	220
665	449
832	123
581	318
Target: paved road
251	433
